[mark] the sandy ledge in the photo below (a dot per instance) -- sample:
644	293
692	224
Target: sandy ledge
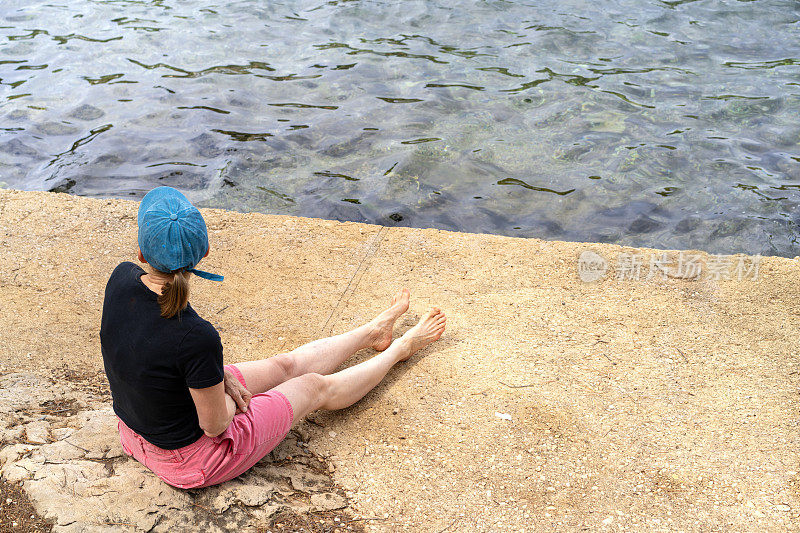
649	404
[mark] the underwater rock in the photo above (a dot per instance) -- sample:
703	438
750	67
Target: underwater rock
87	112
238	102
501	113
688	224
783	137
551	228
632	209
571	153
183	179
754	147
789	168
65	185
18	114
205	145
740	109
346	148
108	159
56	128
644	224
17	147
729	227
334	209
607	121
605	237
303	140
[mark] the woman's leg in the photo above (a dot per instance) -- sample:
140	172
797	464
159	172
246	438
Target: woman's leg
314	391
323	356
259	430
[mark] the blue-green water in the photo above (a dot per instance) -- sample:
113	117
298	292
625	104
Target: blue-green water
671	124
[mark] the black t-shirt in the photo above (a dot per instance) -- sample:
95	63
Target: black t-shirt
151	361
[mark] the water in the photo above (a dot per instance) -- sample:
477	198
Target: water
671	124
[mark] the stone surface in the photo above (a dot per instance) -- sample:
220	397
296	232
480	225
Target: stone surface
83	480
328	501
37	432
665	403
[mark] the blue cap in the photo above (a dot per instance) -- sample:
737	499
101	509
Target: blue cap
172	232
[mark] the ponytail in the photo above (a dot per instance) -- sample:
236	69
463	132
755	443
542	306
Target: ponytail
174	294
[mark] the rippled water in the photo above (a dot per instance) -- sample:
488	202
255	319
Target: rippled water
671	124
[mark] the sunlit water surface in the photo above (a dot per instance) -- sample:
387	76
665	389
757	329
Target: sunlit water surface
671	124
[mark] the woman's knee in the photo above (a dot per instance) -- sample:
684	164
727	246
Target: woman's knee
286	365
306	393
317	385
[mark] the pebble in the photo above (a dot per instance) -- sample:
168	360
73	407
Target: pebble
395	411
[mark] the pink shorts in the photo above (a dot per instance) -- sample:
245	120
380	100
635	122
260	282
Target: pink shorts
212	460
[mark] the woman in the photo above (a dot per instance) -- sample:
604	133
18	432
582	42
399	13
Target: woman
185	416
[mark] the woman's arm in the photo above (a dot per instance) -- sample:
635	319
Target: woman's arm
215	409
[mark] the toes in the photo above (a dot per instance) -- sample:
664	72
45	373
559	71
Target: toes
402	296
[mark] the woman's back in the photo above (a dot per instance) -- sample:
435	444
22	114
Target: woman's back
151	361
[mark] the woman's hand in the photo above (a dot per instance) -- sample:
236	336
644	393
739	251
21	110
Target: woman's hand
238	393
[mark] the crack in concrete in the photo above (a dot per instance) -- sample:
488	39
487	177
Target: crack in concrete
373	248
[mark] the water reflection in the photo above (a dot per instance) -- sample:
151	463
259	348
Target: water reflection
670	124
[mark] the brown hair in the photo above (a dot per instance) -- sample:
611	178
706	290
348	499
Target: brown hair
174	294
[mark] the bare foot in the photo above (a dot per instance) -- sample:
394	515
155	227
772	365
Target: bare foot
383	324
426	331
